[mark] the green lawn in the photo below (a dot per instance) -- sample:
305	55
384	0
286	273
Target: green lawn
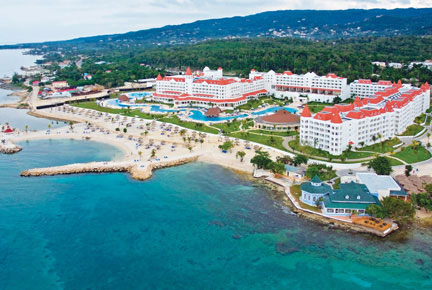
412	130
275	141
163	118
296	193
413	154
310	151
233	126
123	112
394	162
275	133
383	147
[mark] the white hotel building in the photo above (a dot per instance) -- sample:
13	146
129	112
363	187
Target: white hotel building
366	121
207	88
366	88
304	87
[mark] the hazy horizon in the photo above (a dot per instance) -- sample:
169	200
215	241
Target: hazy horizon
23	21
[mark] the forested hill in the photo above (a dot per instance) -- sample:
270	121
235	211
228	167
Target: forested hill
310	24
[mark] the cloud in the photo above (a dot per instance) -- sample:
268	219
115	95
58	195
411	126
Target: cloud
27	21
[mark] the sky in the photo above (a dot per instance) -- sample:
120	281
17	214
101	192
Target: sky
44	20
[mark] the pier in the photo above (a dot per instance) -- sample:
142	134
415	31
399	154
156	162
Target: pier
138	171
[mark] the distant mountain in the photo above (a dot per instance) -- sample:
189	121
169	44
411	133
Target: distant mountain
309	24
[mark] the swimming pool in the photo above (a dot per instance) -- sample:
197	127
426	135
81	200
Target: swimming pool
158	109
199	116
139	95
274	109
116	103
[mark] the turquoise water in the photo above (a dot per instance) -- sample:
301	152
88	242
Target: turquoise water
199	116
155	108
19	119
196	226
274	109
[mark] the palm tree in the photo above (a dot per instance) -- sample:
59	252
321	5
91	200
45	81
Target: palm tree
26	128
182	132
190	148
140	154
241	154
153	153
428	136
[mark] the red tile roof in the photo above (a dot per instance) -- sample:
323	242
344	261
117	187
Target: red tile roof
281	117
306	113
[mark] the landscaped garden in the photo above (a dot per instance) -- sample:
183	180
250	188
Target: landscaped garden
310	151
413	153
383	147
275	133
412	130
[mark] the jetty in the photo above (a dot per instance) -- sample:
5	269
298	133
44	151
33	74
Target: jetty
137	170
7	147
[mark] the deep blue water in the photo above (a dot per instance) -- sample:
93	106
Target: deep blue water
196	226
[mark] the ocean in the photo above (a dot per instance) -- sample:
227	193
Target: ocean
11	61
195	226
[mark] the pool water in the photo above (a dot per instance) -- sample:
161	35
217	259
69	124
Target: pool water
199	116
158	109
274	109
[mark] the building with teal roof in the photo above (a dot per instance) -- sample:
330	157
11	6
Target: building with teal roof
312	191
349	198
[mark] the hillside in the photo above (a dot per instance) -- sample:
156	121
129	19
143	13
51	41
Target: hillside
308	24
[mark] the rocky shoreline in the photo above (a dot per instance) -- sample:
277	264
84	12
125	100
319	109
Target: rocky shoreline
10	150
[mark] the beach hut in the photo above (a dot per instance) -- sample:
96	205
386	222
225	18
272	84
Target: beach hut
123	98
8	130
213	112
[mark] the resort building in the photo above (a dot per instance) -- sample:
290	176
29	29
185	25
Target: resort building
297	174
344	201
366	88
349	198
304	87
366	121
313	191
380	186
60	84
207	89
282	120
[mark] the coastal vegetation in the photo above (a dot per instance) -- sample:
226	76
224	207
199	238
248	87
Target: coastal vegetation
321	170
393	208
423	199
381	165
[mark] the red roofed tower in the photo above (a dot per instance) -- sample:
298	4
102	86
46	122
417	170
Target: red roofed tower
336	119
427	85
159	77
357	102
306	113
188	72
